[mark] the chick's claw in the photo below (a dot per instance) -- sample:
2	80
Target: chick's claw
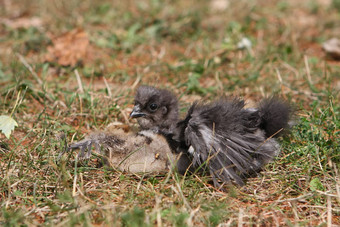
85	147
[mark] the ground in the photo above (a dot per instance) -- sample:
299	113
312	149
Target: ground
71	67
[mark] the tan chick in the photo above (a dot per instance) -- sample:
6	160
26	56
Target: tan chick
146	151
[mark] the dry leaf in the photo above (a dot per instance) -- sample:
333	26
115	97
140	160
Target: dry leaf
7	125
69	48
332	48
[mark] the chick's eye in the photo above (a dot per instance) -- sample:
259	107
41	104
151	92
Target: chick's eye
153	106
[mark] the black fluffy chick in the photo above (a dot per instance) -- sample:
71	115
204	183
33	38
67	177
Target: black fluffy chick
232	141
155	109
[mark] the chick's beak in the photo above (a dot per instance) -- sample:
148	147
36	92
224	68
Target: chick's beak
136	112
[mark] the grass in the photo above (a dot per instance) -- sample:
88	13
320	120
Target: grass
190	48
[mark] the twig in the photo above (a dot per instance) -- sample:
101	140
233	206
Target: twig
293	206
16	103
278	75
329	211
126	118
307	69
291	68
87	198
294	199
158	211
81	89
326	194
141	179
337	184
134	85
240	218
25	63
75	178
206	185
107	87
192	215
322	208
180	193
